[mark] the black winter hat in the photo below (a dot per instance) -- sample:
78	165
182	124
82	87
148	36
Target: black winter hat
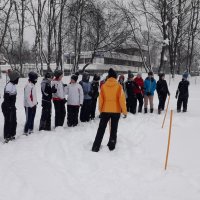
85	77
161	74
74	77
13	75
77	73
58	73
33	76
112	73
150	73
96	77
48	75
130	75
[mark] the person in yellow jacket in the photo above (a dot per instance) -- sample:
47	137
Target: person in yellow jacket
111	104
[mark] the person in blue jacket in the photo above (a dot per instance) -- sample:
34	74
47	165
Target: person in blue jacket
149	88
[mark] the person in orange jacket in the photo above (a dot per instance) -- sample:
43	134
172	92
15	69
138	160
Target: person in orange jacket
112	103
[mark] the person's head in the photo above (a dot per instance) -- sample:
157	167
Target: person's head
162	76
96	77
32	77
48	75
139	74
13	76
58	74
121	78
185	75
150	74
74	78
85	77
130	76
112	73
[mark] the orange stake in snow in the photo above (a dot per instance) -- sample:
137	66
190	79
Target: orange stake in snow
169	139
166	112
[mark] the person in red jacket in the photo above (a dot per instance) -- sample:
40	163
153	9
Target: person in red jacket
139	91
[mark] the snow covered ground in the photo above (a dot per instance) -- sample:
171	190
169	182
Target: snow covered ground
59	165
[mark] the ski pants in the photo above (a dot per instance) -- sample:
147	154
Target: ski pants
45	121
182	100
105	117
148	99
10	121
30	117
139	97
93	108
162	100
85	110
60	112
72	115
131	103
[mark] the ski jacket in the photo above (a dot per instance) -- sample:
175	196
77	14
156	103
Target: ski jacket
75	94
162	88
182	90
139	85
130	87
30	97
60	91
95	89
149	86
47	90
86	89
10	93
112	97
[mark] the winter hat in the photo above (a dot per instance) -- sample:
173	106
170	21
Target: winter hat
139	74
85	77
96	77
150	73
74	77
13	75
112	73
185	75
130	75
58	73
161	74
48	75
33	76
77	73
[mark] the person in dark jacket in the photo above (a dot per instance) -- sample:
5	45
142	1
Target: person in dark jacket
95	94
149	89
121	81
87	102
139	91
131	100
163	91
8	106
47	90
182	93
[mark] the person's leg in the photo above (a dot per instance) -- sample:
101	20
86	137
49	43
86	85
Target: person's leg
13	119
105	117
69	115
164	100
48	120
145	103
57	112
27	113
113	135
185	102
151	103
83	110
140	99
93	108
88	109
44	116
75	118
179	104
32	118
134	105
62	113
6	114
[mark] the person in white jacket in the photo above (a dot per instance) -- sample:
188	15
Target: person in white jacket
74	101
59	98
30	102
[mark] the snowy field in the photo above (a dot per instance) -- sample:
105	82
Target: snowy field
59	165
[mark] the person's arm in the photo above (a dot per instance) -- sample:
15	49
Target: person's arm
122	101
81	95
101	99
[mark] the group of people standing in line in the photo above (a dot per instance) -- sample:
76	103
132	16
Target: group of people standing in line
115	97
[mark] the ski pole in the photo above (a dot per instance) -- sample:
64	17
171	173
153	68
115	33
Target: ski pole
166	112
169	139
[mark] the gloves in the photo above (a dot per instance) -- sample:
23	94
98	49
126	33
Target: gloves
53	89
64	85
124	116
81	105
65	101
